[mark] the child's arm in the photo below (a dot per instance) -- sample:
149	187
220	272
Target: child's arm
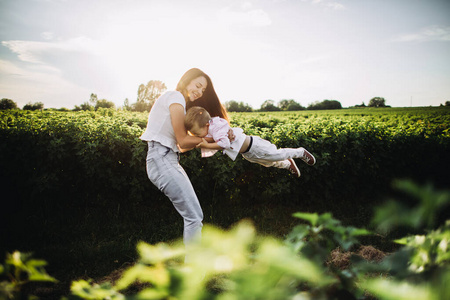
218	137
206	145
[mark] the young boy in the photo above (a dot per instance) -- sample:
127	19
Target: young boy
253	148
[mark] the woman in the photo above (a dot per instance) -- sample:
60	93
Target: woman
167	136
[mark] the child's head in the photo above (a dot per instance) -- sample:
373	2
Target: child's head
197	121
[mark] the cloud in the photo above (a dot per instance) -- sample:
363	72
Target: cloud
246	5
327	4
334	5
47	35
25	85
35	52
79	61
26	51
315	59
255	17
431	33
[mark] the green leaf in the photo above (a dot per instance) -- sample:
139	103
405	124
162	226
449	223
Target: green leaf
85	290
159	253
394	290
359	231
41	277
310	217
158	276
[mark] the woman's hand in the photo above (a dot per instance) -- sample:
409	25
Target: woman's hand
202	144
231	135
212	146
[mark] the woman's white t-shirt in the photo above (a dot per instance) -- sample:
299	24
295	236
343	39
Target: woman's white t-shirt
159	125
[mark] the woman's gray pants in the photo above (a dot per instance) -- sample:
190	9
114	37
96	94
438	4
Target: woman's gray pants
165	172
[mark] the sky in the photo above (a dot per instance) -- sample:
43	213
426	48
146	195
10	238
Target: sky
60	51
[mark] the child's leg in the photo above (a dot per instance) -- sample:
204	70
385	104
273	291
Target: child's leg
265	153
283	164
288	164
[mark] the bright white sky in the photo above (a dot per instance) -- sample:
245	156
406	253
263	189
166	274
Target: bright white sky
60	51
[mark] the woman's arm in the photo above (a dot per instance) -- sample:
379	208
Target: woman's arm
211	146
185	141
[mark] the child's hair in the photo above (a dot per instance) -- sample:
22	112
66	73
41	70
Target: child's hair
196	115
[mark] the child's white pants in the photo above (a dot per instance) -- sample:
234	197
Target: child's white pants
265	153
165	172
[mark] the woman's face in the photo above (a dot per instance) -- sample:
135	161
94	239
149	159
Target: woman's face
196	88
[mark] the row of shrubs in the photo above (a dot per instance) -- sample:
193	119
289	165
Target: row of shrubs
54	162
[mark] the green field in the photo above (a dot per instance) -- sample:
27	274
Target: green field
75	190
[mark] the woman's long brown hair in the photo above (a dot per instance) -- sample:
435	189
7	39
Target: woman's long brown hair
209	100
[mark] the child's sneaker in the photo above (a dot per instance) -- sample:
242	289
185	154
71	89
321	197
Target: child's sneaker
293	168
307	157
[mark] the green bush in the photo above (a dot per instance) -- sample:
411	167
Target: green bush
240	264
44	150
19	270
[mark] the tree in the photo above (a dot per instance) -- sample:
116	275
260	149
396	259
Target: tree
7	104
447	103
149	93
325	104
283	104
295	106
290	105
126	105
232	105
140	106
104	104
34	106
235	106
269	105
94	104
377	102
93	99
85	106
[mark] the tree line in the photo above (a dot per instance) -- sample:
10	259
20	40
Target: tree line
6	103
148	93
292	105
